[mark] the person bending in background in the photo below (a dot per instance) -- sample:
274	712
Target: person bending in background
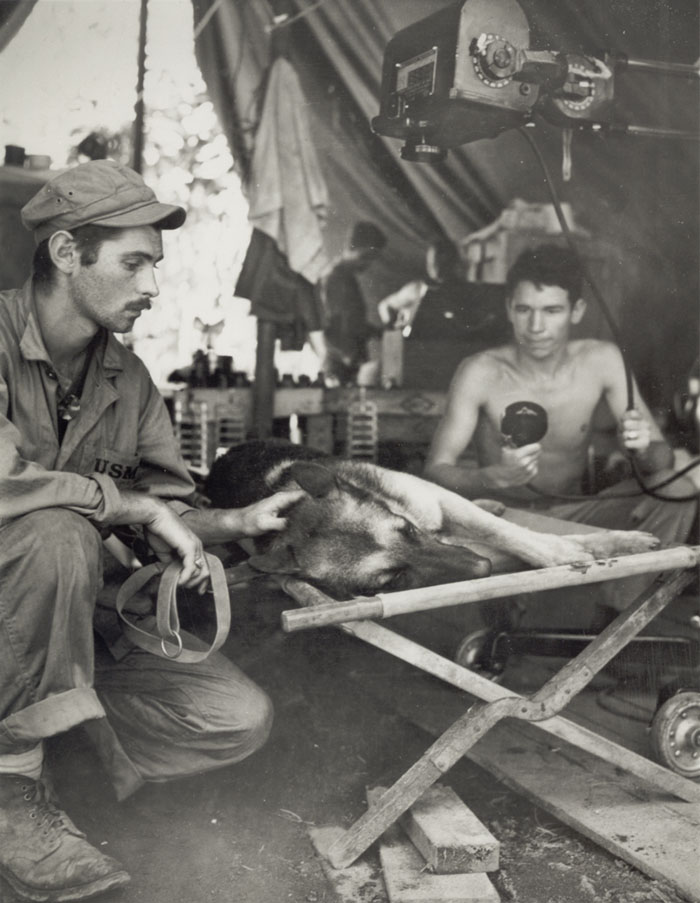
568	378
398	310
86	445
347	328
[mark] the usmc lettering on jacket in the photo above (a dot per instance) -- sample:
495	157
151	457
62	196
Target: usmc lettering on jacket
114	470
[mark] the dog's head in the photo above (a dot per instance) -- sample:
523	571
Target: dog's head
349	540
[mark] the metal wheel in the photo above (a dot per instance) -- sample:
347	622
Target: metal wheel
475	652
675	733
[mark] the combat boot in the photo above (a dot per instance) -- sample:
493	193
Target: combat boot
43	856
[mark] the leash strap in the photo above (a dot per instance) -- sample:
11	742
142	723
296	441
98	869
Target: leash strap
167	641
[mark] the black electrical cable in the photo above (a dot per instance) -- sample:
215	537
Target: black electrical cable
691	497
605	309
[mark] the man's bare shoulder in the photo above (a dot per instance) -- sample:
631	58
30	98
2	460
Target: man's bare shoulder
491	360
595	353
477	372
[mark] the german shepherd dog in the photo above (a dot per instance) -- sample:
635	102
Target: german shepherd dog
363	529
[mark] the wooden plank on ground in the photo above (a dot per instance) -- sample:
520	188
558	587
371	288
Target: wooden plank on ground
408	881
642	826
361	882
448	834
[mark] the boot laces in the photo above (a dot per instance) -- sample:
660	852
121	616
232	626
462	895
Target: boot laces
49	818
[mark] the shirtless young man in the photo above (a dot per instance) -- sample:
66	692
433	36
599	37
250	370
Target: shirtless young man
568	378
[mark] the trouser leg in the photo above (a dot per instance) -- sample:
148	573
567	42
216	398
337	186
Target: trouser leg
49	577
174	720
670	521
50	574
163	719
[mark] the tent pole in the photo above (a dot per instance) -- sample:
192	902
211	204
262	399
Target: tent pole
139	109
264	385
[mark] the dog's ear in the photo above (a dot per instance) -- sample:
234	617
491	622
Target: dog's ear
314	478
280	560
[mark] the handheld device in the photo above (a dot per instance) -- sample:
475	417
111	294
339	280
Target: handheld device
523	422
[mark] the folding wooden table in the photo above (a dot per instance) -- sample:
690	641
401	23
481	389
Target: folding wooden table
674	568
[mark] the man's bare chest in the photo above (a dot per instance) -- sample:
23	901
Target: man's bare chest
569	403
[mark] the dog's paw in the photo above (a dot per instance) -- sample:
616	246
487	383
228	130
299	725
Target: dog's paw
490	505
610	543
565	550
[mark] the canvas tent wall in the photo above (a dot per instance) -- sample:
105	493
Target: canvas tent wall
640	194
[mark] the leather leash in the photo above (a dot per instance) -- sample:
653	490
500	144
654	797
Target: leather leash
167	642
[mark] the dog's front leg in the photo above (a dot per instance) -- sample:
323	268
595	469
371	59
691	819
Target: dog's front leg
507	539
453	516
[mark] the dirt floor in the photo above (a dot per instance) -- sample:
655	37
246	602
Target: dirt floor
241	835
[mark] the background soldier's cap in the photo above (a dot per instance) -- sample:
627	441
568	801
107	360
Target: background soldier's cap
101	192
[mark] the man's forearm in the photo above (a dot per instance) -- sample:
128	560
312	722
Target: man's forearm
657	457
135	508
214	525
211	525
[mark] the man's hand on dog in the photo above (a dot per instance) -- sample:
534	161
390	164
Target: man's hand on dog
266	515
